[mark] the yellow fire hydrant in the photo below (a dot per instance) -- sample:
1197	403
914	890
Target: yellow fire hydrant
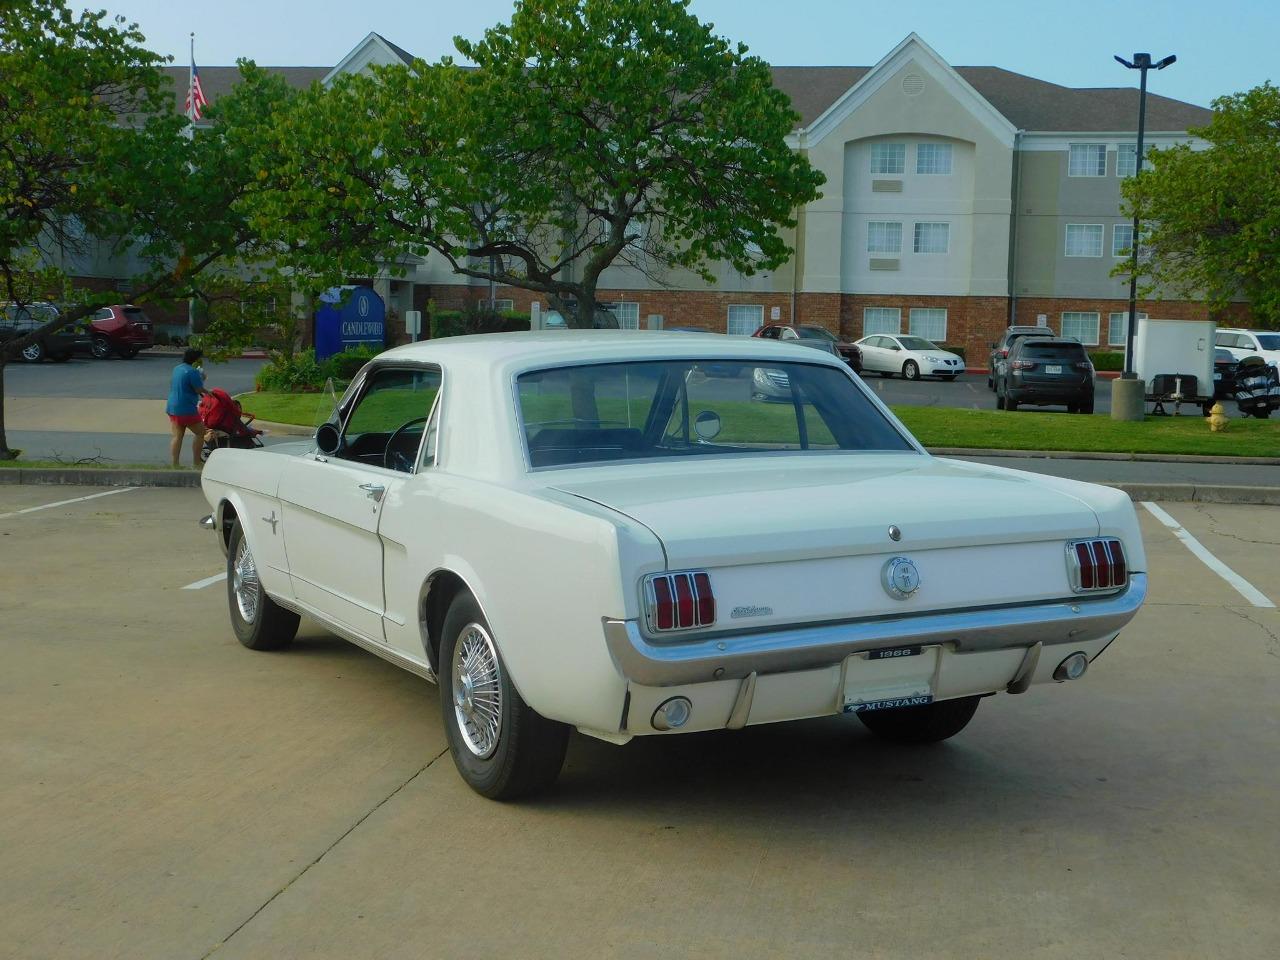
1217	418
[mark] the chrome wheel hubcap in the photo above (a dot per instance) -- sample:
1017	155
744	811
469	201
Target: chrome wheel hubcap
477	690
244	582
31	353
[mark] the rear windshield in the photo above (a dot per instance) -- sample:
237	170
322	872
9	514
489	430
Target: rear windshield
681	408
815	333
135	315
1269	341
1053	351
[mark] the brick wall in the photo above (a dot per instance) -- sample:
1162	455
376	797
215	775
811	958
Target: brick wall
972	322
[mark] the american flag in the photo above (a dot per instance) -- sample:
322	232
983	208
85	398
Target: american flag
195	95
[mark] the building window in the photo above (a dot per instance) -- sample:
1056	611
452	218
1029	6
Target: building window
1122	240
628	314
881	320
933	158
1118	327
1126	159
1084	239
932	237
745	319
501	305
888	157
928	322
884	237
1081	325
1087	160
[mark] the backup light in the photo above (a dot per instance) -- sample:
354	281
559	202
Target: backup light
1072	668
672	714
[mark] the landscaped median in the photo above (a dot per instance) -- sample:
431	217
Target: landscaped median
974	429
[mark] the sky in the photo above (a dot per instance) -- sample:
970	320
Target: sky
1222	46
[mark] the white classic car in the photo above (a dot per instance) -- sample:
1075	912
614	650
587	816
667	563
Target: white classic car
586	530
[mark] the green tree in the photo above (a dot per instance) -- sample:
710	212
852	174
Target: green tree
1212	216
590	132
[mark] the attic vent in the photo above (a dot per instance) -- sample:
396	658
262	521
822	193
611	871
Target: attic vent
913	84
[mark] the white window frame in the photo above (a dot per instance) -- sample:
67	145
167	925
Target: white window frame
1091	228
1118	249
1080	316
881	314
1088	165
946	233
1129	150
872	247
729	318
882	151
939	151
1119	320
628	316
920	313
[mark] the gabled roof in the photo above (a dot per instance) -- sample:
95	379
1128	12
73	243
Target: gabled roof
217	81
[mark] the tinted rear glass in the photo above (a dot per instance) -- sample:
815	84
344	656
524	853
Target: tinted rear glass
135	315
1052	351
1269	341
814	333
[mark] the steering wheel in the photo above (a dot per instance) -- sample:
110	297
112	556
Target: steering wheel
392	458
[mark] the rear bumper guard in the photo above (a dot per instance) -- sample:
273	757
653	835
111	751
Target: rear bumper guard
735	656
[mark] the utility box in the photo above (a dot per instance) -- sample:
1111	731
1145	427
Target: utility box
1175	349
413	324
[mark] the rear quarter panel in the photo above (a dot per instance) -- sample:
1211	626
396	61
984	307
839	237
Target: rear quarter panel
248	481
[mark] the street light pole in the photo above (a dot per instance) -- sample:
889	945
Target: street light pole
1127	393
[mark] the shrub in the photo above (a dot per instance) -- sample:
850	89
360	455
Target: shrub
161	338
1107	360
297	374
345	365
475	319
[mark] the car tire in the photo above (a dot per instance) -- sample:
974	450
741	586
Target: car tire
1073	408
130	353
258	621
33	352
1010	403
911	370
505	750
1262	413
991	384
1087	406
930	723
100	347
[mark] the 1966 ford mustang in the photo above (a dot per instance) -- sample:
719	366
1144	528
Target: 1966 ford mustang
604	531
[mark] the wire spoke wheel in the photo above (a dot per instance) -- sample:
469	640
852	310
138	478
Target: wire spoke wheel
477	690
244	582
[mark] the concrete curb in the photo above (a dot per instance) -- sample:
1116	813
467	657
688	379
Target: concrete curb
90	477
1086	455
1200	493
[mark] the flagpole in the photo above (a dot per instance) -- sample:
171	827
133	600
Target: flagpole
191	133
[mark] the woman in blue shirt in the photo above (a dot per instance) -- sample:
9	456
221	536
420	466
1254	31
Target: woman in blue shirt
185	389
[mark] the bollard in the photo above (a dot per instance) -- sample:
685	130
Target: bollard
1128	398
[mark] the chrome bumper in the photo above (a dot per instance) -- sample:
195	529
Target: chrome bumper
735	656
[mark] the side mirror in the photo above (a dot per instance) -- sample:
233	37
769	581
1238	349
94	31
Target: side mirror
328	439
707	425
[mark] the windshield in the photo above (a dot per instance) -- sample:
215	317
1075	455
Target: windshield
918	343
1269	341
680	408
815	333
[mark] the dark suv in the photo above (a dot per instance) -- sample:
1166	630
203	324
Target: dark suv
1041	371
1000	349
18	321
121	329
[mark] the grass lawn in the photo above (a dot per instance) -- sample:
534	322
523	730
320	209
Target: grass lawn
932	426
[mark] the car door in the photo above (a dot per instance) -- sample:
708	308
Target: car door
870	353
331	504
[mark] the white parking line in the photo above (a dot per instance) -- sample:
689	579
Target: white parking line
63	503
1237	582
207	581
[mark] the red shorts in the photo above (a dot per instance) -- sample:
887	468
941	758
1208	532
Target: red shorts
185	420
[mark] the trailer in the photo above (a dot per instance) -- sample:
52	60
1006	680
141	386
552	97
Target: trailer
1174	358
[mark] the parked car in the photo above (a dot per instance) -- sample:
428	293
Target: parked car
1000	349
773	384
121	329
1041	371
671	593
811	332
1251	343
17	321
1224	374
913	357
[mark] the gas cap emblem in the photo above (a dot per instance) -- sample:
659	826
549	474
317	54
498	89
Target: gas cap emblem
894	533
900	577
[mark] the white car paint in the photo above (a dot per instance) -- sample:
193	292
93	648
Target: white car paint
1247	343
889	354
556	556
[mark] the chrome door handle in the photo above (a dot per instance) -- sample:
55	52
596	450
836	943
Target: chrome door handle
373	491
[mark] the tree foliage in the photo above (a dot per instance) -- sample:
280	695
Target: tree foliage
1212	216
589	132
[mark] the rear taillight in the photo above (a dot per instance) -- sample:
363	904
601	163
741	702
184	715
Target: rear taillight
679	601
1083	365
1097	565
1004	351
1024	365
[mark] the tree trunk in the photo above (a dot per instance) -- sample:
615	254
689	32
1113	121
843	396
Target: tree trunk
5	452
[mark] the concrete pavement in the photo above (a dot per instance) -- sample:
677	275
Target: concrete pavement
169	794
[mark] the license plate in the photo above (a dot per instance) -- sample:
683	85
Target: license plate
1053	368
892	703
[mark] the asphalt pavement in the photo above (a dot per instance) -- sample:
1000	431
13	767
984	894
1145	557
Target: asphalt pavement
169	794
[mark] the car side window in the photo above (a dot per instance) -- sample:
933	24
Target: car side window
103	314
771	333
385	428
786	333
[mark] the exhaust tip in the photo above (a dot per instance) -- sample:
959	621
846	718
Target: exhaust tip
672	714
1072	668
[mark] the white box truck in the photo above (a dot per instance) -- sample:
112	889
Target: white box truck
1167	354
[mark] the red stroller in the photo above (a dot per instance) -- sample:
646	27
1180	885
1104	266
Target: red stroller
228	425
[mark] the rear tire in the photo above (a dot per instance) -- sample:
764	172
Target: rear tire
130	353
258	621
501	747
1087	406
911	370
100	347
930	723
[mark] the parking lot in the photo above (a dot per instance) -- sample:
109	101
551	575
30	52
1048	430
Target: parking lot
168	793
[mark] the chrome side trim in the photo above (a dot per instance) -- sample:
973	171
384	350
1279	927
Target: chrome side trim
729	656
346	633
